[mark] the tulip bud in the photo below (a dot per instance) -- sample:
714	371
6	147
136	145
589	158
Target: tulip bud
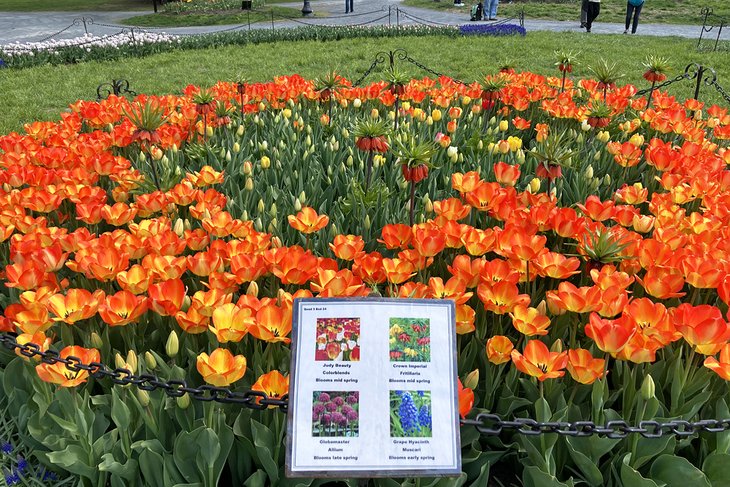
96	340
503	125
584	126
236	148
240	130
142	157
132	361
186	303
249	184
366	223
228	156
428	205
265	162
183	402
648	388
272	226
436	114
179	227
357	103
534	185
143	397
429	120
472	380
589	172
541	307
272	210
374	113
119	361
172	346
557	346
257	225
597	156
607	179
209	131
276	243
297	205
637	140
253	289
150	361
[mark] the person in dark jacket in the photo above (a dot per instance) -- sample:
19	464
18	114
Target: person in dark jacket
633	9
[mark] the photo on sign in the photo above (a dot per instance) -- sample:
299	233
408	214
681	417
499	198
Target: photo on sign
338	339
410	340
410	414
336	413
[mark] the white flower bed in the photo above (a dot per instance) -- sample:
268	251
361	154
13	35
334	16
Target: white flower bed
87	42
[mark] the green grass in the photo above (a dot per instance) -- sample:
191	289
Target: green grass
655	11
73	5
230	17
42	93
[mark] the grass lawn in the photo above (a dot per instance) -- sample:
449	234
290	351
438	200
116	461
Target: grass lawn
41	93
657	11
64	5
186	19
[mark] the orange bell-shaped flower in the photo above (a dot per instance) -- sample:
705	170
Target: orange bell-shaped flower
720	367
122	308
308	221
610	335
538	361
221	368
583	367
231	323
273	384
58	373
702	327
499	349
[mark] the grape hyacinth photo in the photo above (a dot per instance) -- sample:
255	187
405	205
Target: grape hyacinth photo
336	413
410	414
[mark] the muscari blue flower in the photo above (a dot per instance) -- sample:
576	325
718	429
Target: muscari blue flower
6	448
408	414
22	464
424	417
12	478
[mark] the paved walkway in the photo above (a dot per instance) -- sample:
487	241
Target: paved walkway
24	27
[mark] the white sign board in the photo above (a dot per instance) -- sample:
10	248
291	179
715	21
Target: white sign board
373	389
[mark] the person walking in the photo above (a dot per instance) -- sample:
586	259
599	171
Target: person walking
583	13
633	8
490	9
592	10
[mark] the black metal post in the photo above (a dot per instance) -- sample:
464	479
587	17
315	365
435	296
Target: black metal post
698	84
83	19
719	31
389	9
705	13
154	5
306	9
272	20
397	17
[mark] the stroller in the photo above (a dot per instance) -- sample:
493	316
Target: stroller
476	12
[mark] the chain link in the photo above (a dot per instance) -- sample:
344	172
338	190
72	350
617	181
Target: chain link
492	424
680	77
148	382
720	90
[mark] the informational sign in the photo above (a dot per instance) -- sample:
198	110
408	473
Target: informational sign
373	389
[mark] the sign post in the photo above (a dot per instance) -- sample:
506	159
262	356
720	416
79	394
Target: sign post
373	389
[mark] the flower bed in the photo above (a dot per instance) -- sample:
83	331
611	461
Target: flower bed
492	30
169	235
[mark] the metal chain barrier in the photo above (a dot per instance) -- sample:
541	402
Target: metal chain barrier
402	55
148	382
485	423
492	424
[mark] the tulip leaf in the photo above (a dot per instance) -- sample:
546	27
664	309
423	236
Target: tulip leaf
650	448
587	466
149	466
632	478
676	471
72	459
715	468
263	440
257	479
186	452
128	471
534	477
120	412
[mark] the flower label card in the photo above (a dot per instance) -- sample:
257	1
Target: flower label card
373	389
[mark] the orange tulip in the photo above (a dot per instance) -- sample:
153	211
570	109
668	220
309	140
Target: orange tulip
38	338
192	321
652	320
529	321
451	209
221	368
499	349
701	326
465	316
58	373
203	263
501	297
27	275
165	267
428	241
466	399
30	318
273	384
166	297
330	283
595	209
347	247
454	289
576	299
465	183
272	324
538	361
720	367
610	335
583	367
398	271
135	280
396	236
308	221
206	302
556	265
466	269
297	266
369	268
663	282
248	267
506	174
76	305
122	308
231	323
478	242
